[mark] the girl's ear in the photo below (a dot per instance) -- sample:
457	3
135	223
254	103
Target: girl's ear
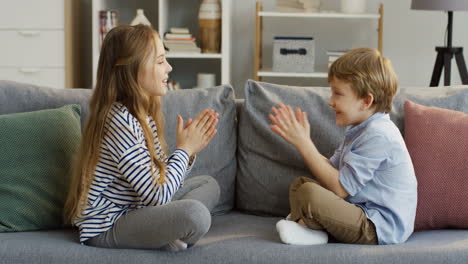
367	102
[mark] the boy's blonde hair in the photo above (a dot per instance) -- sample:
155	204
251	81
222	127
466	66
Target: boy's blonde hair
368	72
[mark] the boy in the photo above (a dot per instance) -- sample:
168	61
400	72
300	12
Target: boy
367	192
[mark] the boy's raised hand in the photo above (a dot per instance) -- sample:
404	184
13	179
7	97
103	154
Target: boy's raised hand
197	133
292	126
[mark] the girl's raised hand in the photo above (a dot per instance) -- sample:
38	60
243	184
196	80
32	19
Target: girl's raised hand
292	126
197	133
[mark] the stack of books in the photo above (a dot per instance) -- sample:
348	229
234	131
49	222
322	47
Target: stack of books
333	55
180	40
308	6
108	19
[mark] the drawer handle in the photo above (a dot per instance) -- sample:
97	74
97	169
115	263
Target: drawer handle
29	33
29	70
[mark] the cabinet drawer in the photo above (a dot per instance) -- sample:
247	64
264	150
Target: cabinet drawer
38	76
32	14
44	48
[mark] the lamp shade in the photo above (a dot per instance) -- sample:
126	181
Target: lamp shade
447	5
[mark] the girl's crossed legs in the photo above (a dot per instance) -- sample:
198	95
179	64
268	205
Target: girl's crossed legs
187	218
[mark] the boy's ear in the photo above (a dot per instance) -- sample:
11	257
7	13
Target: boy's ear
367	101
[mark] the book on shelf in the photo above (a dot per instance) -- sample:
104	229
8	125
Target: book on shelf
178	36
180	40
108	19
182	48
179	30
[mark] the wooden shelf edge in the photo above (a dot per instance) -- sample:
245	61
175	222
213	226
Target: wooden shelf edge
319	15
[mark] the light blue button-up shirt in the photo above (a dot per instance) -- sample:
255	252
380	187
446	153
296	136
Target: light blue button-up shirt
376	170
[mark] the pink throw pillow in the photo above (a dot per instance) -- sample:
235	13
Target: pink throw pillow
437	140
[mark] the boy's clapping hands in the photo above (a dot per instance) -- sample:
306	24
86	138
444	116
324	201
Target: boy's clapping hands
291	125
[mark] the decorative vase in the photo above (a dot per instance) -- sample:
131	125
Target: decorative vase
140	18
353	6
209	26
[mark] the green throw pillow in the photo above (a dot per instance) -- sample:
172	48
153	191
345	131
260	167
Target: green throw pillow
36	150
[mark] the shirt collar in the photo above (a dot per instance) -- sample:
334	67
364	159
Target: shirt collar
352	130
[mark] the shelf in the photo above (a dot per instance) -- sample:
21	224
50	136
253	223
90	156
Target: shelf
193	55
270	73
261	71
318	15
164	14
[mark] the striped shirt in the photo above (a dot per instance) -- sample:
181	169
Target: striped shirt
122	178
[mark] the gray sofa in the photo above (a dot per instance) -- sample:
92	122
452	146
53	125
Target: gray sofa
253	168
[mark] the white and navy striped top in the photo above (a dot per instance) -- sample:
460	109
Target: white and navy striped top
122	179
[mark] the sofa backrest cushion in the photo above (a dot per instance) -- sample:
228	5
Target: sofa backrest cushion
437	140
448	97
37	150
18	97
267	164
218	159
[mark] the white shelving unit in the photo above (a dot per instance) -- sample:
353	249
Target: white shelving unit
260	72
164	14
223	59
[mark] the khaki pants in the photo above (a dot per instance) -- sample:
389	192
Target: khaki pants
321	209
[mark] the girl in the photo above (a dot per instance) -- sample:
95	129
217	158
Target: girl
125	191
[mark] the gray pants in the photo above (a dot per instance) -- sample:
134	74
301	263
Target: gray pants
186	218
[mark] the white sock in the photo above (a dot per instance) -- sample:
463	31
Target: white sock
176	245
293	233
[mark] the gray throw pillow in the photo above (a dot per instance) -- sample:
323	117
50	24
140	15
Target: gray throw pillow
267	163
218	159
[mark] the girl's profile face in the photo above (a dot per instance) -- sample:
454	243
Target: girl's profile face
156	71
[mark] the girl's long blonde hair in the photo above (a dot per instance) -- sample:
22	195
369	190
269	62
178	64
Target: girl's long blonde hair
124	52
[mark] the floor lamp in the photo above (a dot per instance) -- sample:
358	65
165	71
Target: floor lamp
445	53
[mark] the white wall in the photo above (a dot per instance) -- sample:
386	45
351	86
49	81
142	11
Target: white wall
410	38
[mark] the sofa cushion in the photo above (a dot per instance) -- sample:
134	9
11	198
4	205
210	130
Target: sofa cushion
218	159
36	153
437	140
267	163
237	239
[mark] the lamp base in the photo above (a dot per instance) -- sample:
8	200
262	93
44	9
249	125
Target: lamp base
443	60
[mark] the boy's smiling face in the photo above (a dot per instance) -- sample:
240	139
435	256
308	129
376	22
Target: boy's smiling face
349	109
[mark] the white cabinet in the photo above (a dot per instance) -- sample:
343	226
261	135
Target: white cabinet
34	42
261	71
164	14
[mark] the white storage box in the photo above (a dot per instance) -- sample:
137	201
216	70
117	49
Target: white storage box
293	54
